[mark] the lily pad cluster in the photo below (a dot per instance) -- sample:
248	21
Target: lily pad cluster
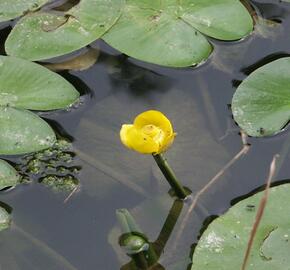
222	246
28	86
169	33
53	167
261	104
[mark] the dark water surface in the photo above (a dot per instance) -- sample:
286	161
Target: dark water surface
82	233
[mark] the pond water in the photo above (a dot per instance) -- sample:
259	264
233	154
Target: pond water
83	232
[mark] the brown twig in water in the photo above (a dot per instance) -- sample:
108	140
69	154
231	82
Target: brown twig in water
242	152
260	211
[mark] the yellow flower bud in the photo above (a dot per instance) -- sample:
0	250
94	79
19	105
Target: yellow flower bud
151	133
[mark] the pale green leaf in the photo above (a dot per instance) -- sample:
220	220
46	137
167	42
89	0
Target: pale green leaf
10	9
43	35
170	33
8	175
23	132
261	104
30	86
223	245
4	219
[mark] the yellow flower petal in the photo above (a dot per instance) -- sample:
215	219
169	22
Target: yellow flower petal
166	143
155	118
151	133
123	135
134	139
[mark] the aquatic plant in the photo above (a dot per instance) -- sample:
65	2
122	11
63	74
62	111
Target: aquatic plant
168	33
260	105
5	219
227	236
28	86
9	177
152	133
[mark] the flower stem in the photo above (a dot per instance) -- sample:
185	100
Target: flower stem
170	176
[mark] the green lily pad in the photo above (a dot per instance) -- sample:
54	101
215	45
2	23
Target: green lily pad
223	244
10	9
4	219
261	104
44	35
8	175
170	33
30	86
23	132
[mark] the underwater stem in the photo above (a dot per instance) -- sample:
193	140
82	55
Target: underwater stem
170	176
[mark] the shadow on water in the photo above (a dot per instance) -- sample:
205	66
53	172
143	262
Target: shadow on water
83	233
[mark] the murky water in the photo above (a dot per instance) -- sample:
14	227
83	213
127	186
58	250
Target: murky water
83	232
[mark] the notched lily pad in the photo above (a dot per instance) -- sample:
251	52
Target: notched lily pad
222	246
261	104
5	219
45	35
30	86
23	132
170	33
9	177
11	9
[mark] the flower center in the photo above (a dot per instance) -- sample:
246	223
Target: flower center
154	132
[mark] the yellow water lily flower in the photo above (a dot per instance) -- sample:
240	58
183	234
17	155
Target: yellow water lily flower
151	133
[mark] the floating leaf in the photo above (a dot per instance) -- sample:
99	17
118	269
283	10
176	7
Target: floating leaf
223	244
30	86
10	9
23	132
8	175
4	219
261	104
42	35
170	33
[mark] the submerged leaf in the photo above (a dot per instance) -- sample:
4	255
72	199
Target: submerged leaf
46	35
10	9
4	219
8	175
23	132
261	104
30	86
78	63
170	33
223	244
58	183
